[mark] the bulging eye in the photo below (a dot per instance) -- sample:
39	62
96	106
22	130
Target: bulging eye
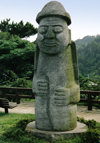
58	29
42	29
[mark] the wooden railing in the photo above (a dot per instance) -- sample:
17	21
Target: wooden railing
16	93
89	99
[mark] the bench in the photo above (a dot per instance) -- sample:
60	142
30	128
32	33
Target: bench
4	103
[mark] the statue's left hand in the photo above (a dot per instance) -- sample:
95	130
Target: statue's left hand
62	96
75	94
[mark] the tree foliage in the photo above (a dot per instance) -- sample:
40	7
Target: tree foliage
89	58
16	58
20	29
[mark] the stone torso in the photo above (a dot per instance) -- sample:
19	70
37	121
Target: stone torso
53	69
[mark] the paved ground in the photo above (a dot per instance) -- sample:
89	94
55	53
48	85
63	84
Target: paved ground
29	107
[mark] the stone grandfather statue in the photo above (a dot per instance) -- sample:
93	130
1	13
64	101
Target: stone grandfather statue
55	81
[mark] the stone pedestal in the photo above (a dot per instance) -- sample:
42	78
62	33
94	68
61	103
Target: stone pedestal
55	135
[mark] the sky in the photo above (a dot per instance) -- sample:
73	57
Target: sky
85	14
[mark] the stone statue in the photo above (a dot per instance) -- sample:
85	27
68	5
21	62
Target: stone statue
55	81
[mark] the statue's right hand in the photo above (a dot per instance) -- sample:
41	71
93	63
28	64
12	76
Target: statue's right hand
42	87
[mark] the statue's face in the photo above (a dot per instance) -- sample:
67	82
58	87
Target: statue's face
52	35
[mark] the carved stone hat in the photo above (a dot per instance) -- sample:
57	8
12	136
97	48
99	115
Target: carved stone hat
53	8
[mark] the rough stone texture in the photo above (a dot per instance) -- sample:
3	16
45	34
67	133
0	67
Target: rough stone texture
54	135
55	81
54	8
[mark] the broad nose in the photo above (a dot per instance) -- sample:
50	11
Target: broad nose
50	33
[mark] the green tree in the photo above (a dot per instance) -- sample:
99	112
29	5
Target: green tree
20	29
88	56
16	58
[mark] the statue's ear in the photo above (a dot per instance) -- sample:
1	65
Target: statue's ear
36	57
69	38
75	61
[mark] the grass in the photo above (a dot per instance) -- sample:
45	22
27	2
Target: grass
8	122
98	125
12	130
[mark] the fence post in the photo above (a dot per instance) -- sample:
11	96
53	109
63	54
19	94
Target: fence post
17	97
89	102
3	93
6	110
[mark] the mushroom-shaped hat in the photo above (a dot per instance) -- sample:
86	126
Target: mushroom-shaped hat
54	8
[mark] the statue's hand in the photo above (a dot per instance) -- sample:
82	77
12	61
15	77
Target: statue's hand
62	96
42	87
75	94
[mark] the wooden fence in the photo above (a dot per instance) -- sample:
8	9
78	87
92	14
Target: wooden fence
16	93
90	97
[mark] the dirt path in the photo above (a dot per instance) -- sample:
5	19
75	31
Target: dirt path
29	107
89	115
23	107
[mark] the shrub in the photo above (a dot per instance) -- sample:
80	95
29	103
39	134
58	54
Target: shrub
91	124
21	82
91	136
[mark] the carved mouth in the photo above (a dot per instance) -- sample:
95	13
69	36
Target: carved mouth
50	43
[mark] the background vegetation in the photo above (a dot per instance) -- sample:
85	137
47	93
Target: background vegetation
89	55
20	29
88	50
16	54
16	60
